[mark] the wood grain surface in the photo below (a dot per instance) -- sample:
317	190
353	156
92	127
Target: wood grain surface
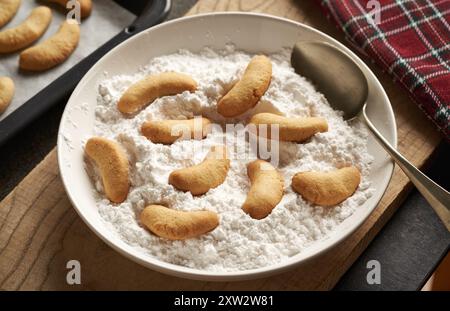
40	231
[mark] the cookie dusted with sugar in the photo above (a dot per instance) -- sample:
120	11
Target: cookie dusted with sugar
178	225
327	188
246	93
289	129
147	90
112	162
266	190
200	178
169	131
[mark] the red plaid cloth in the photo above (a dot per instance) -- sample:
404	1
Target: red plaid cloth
410	39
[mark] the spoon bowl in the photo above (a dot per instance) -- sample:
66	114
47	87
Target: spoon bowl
334	73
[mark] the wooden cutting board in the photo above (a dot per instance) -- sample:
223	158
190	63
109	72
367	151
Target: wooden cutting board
40	231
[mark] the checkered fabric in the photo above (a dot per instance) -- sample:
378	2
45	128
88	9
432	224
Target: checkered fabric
410	39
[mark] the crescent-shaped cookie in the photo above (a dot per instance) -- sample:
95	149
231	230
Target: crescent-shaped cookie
327	188
8	8
52	51
85	6
23	35
178	225
6	93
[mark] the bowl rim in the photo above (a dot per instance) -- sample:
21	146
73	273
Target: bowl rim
204	275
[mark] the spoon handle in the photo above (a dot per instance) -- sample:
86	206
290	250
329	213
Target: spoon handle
438	197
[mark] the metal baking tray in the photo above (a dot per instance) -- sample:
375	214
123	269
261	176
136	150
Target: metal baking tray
148	12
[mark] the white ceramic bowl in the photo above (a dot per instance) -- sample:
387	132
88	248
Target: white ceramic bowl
255	33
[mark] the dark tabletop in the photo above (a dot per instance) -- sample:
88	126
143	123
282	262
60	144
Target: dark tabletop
408	248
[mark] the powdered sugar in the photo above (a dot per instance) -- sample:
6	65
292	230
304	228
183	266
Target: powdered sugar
239	242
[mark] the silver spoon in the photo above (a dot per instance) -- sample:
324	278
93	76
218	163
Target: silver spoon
345	86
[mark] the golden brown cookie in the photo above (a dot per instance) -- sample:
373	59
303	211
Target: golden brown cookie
327	188
246	93
168	131
289	129
200	178
112	162
8	8
266	190
178	225
6	93
144	92
85	6
52	51
23	35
